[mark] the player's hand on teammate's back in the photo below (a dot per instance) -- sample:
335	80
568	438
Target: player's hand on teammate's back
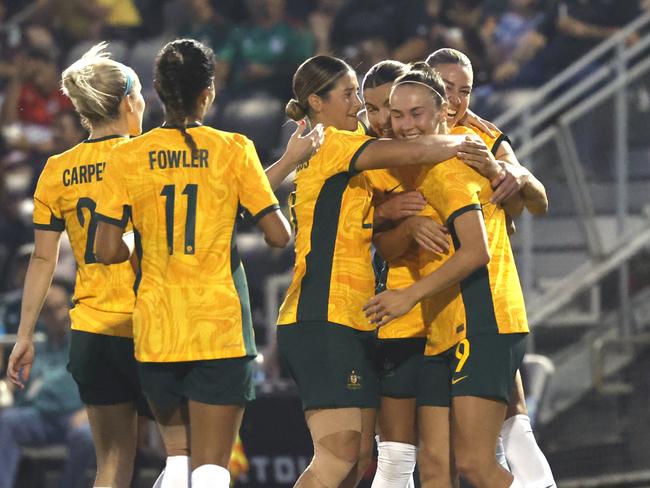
470	119
516	177
429	234
389	305
479	157
302	147
20	362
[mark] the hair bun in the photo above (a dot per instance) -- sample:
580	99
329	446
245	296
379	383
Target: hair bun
294	110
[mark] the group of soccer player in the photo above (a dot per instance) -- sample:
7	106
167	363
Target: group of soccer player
161	318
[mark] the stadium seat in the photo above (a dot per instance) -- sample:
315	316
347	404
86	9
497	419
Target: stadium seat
258	116
142	60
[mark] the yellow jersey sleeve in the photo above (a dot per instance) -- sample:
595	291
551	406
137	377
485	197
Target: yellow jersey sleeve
114	204
459	193
47	214
255	191
341	150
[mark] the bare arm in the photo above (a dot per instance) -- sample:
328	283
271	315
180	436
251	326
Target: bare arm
471	255
37	283
388	153
421	230
110	248
275	228
299	149
532	191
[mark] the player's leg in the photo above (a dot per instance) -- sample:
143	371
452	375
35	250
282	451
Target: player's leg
484	373
525	458
104	369
173	425
217	391
366	448
399	365
396	448
475	427
336	436
334	365
163	386
214	429
433	409
434	457
114	429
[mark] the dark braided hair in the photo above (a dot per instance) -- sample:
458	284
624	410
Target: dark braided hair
183	69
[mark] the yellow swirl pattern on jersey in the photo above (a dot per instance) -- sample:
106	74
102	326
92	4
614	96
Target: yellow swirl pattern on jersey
332	217
65	199
410	267
490	300
192	299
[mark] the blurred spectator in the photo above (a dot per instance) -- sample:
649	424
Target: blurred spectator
48	411
462	22
263	54
122	19
320	22
205	24
73	20
400	26
514	37
32	100
580	25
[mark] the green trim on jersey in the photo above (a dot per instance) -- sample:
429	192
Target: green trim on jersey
477	296
315	284
241	285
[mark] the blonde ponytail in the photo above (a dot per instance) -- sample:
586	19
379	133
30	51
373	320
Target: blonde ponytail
96	85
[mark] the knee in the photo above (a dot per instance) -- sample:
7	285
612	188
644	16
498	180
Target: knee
471	467
334	457
433	464
346	445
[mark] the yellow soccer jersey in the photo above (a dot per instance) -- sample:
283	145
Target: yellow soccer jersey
490	300
332	216
192	299
403	271
65	198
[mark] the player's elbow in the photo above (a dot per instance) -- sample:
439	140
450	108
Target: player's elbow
275	228
109	246
538	209
106	253
279	240
279	236
478	257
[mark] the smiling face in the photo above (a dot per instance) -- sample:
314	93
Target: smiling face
340	106
415	111
458	81
378	109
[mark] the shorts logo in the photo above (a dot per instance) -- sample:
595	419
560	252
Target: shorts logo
458	380
354	381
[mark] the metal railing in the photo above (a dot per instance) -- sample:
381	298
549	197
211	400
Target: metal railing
548	117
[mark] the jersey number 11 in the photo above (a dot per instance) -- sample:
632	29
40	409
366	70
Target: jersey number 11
169	192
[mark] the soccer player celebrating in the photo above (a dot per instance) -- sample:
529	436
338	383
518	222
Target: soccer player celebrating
183	183
475	298
106	94
323	336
